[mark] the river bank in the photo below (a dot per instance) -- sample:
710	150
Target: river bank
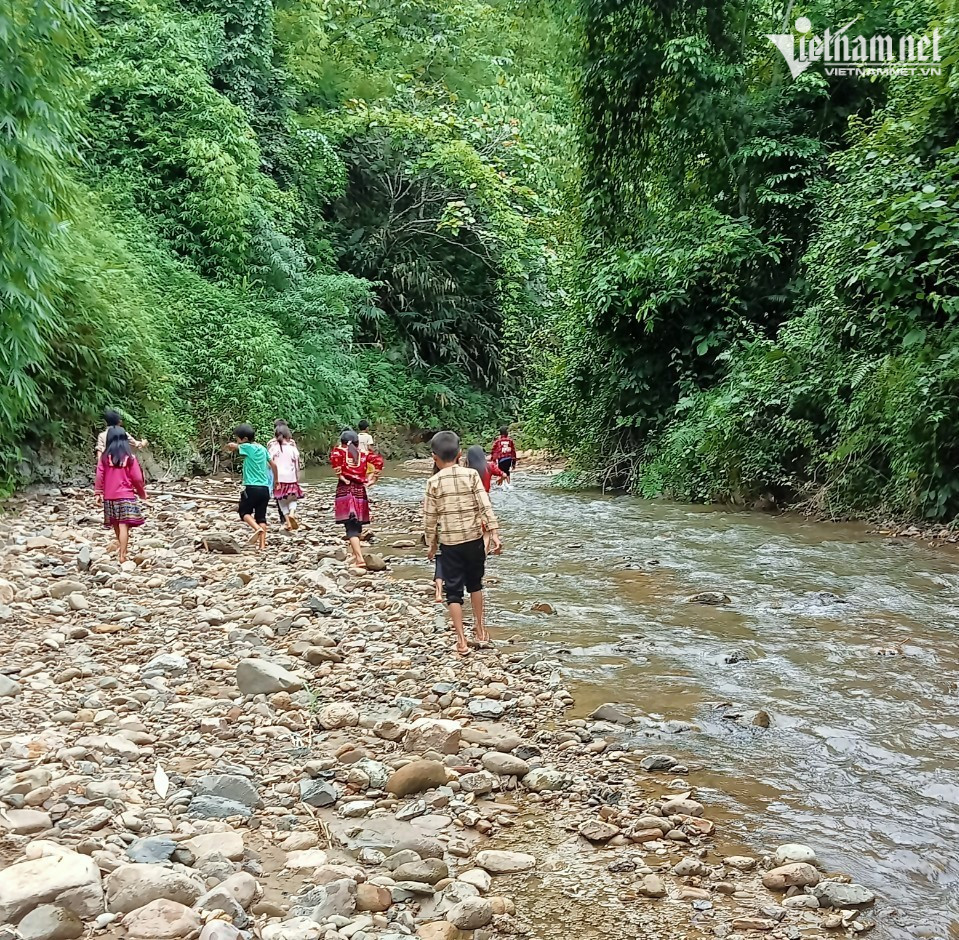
293	744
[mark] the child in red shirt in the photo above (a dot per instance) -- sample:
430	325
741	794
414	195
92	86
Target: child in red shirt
476	460
504	452
356	470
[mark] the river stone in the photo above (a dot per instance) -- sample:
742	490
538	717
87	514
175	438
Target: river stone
8	688
794	852
50	922
595	830
152	850
427	870
741	862
161	919
843	896
712	598
658	762
133	886
504	863
338	715
682	808
296	928
211	807
486	708
687	867
338	898
260	677
476	878
433	734
219	930
319	793
796	875
652	886
423	846
61	589
471	914
69	879
611	713
23	822
166	664
506	765
376	772
230	787
545	778
480	782
372	899
228	843
415	777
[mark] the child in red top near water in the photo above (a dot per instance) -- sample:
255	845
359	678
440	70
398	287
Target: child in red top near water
356	470
504	452
476	460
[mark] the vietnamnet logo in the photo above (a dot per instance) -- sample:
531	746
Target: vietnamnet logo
842	54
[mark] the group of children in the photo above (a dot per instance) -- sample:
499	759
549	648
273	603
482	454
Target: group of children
460	526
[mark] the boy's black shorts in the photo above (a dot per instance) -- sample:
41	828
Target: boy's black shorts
253	502
506	464
463	566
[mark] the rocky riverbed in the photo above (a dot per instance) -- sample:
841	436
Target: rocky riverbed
206	741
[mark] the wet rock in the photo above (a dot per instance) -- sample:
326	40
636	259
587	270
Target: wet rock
796	875
50	922
711	598
843	896
319	793
423	846
415	777
611	713
541	607
433	734
374	562
682	808
499	862
230	787
594	830
471	914
545	778
70	880
161	919
656	762
133	886
801	902
794	852
338	715
260	677
505	765
652	886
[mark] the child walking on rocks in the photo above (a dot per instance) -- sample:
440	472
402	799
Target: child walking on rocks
458	517
259	471
286	487
113	419
356	470
119	482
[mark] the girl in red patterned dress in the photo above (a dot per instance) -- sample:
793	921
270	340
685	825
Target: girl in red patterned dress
356	471
118	484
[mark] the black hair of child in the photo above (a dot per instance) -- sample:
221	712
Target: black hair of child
364	425
445	445
244	432
118	446
504	431
112	418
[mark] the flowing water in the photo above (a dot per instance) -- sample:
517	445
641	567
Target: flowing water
860	760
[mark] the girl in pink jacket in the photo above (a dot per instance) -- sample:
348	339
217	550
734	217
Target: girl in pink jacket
118	484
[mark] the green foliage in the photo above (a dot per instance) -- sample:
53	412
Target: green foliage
768	300
216	212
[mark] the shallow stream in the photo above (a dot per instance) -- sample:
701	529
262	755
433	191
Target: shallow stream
847	640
